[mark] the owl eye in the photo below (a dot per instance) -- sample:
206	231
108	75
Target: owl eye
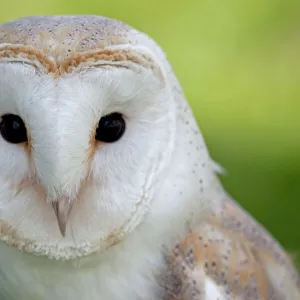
12	129
110	128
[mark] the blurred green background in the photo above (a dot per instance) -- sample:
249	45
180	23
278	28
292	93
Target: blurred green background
239	64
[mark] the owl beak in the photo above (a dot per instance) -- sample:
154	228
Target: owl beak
62	208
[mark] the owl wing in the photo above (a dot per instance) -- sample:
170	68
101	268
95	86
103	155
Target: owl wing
230	256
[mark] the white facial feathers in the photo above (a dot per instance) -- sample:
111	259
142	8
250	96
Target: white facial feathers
66	163
61	91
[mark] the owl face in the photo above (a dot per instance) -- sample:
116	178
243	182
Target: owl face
81	152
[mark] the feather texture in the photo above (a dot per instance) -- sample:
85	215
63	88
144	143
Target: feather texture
229	256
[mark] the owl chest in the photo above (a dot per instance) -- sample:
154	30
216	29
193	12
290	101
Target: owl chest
25	277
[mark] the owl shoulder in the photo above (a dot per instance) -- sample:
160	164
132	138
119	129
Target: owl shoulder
230	256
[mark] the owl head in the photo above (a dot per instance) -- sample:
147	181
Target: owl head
96	136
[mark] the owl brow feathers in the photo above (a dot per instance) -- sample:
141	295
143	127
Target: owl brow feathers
78	61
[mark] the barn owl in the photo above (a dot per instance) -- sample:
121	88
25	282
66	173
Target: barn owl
107	189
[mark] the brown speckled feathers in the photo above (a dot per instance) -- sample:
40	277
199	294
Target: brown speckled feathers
61	44
237	255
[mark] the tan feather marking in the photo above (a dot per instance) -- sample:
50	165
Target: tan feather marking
32	55
192	241
80	60
113	239
237	220
227	258
93	144
68	65
239	258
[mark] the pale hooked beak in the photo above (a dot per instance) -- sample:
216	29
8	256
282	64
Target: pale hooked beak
62	208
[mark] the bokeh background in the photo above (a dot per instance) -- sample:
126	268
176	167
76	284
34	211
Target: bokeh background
239	64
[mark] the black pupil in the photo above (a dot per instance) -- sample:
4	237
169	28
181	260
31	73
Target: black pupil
110	128
12	129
